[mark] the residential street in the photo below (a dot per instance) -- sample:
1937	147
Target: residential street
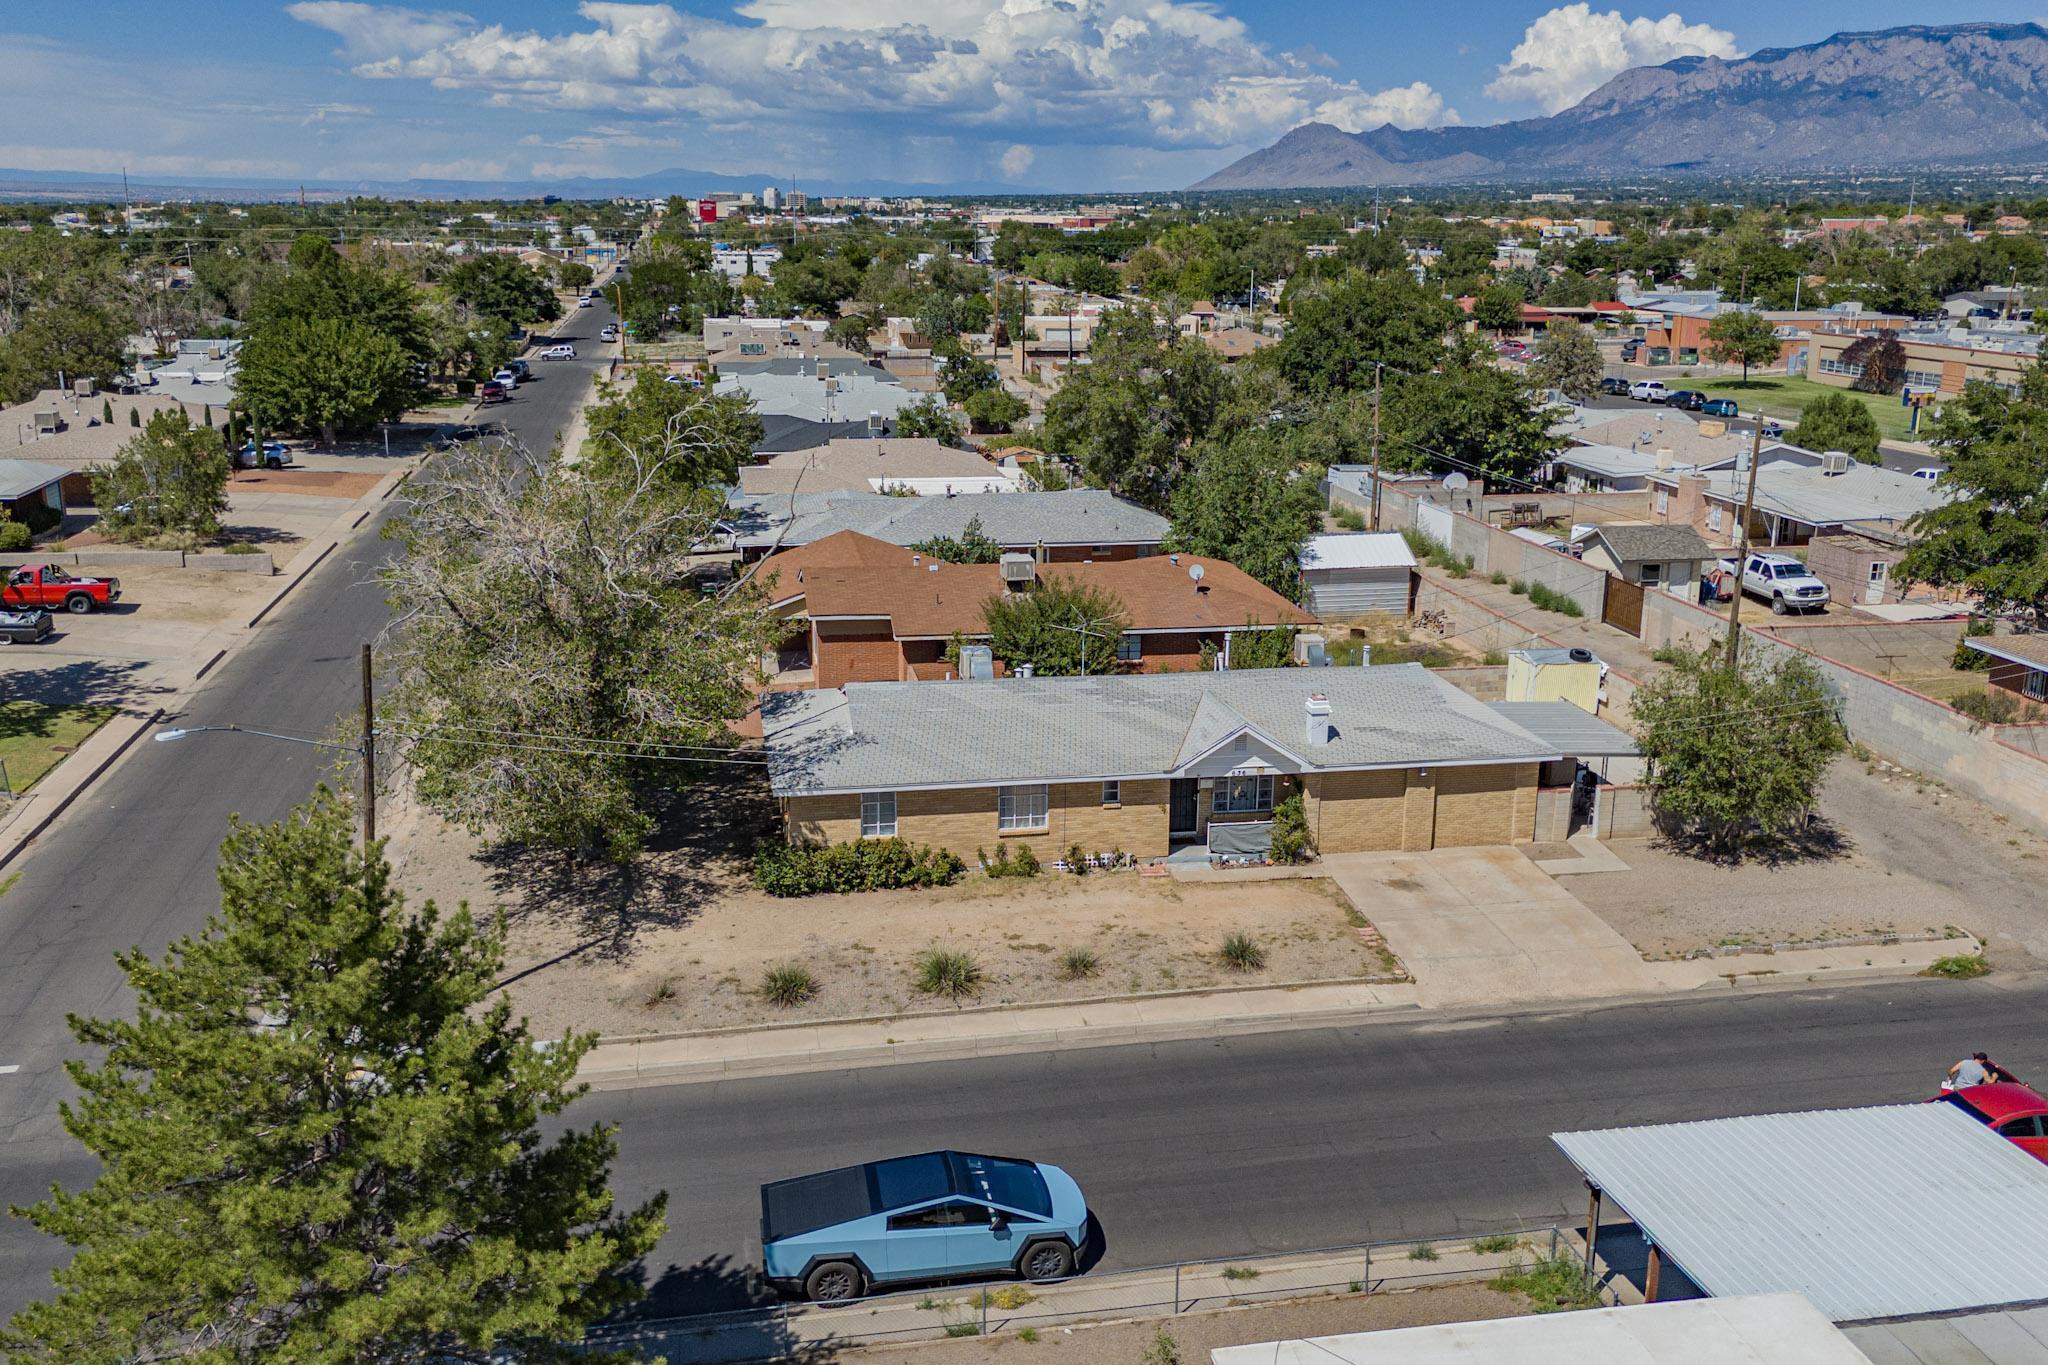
1419	1125
132	863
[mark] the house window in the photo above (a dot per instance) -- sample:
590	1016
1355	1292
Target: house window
1129	648
1022	808
1112	793
1240	745
1663	502
1713	516
1877	573
2036	685
1650	575
877	815
1241	795
1923	379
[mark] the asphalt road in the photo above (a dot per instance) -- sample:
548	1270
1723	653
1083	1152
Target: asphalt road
132	863
1413	1126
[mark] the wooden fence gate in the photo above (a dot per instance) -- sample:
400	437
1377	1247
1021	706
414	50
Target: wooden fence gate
1622	607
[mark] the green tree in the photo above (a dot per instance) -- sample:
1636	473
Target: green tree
1835	421
1471	415
1728	748
1745	338
1336	338
965	375
320	1139
1059	626
852	332
929	417
1093	275
1130	415
1991	534
1246	502
1568	359
74	337
995	410
1499	308
972	547
708	436
323	374
503	289
575	275
553	655
173	477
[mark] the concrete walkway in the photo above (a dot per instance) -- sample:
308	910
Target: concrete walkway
1485	926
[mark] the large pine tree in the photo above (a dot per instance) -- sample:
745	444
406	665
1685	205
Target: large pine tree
319	1140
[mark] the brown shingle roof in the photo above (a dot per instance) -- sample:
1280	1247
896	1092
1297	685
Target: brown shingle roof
849	574
2031	650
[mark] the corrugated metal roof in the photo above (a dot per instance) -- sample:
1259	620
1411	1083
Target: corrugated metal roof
1568	728
1762	1329
1357	550
892	736
1870	1213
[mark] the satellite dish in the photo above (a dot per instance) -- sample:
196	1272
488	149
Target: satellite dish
1455	481
1197	572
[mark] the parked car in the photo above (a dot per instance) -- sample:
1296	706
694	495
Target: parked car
1630	347
24	627
941	1215
520	368
47	587
2015	1111
586	302
492	392
1721	407
275	455
1648	391
609	332
563	351
507	378
1782	581
1691	400
1614	386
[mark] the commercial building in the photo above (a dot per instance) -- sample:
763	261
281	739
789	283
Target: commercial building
1385	758
1939	362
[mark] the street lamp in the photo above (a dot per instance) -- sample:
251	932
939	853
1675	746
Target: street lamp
365	748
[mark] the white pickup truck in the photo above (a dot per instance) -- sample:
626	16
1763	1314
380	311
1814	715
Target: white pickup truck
1782	581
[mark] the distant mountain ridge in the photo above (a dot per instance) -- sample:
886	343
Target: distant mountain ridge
1961	94
87	185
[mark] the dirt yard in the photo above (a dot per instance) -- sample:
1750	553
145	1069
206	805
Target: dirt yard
1898	853
682	941
1194	1335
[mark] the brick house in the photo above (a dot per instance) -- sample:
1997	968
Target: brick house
2019	663
1799	495
1386	758
875	612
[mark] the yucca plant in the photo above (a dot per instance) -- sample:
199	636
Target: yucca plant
1241	953
788	985
1079	964
944	972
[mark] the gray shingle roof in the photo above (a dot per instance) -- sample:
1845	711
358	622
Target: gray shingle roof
882	736
1634	542
1082	516
19	478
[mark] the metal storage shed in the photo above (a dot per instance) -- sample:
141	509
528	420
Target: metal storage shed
1355	573
1869	1213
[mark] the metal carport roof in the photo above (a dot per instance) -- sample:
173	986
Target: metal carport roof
1870	1213
1568	728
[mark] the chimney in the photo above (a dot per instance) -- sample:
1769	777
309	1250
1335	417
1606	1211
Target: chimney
1665	457
1318	718
824	370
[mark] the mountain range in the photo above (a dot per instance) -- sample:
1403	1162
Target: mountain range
1963	94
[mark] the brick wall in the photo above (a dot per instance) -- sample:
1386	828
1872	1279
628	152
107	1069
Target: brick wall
1357	812
1482	805
855	651
1177	653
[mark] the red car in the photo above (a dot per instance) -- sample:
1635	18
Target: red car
492	391
2012	1110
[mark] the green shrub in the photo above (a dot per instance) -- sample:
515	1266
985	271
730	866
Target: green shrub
1992	706
1669	654
1496	578
1350	519
1519	588
1027	864
1077	861
1495	658
1969	660
863	865
1551	1284
1962	967
243	547
788	985
1422	1251
1241	953
1422	544
942	971
1239	1272
14	535
1495	1245
1079	964
1550	599
1292	842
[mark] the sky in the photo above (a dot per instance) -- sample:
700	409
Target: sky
1038	94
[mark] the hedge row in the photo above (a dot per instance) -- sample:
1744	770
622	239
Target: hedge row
863	865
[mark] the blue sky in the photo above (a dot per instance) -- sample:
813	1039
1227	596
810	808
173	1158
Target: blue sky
1098	94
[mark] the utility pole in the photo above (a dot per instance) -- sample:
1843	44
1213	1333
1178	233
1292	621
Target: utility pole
369	758
1377	368
1756	446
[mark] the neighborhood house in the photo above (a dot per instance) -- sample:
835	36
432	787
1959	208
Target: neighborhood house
1385	758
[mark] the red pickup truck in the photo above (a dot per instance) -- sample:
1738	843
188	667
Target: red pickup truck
49	587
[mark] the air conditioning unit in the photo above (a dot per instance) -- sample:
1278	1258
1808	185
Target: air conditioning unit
1835	462
1311	650
977	663
1018	570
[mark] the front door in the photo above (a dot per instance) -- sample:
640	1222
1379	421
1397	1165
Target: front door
1182	796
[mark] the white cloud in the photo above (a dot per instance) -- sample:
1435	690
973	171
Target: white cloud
1162	73
1571	51
1017	161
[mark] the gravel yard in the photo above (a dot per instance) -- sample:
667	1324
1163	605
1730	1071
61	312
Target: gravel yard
684	942
1910	856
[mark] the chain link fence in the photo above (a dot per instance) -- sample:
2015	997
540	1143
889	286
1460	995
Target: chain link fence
797	1331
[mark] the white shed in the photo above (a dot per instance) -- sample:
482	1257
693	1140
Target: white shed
1353	573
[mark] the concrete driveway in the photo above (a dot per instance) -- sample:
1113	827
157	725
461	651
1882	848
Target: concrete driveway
1481	926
